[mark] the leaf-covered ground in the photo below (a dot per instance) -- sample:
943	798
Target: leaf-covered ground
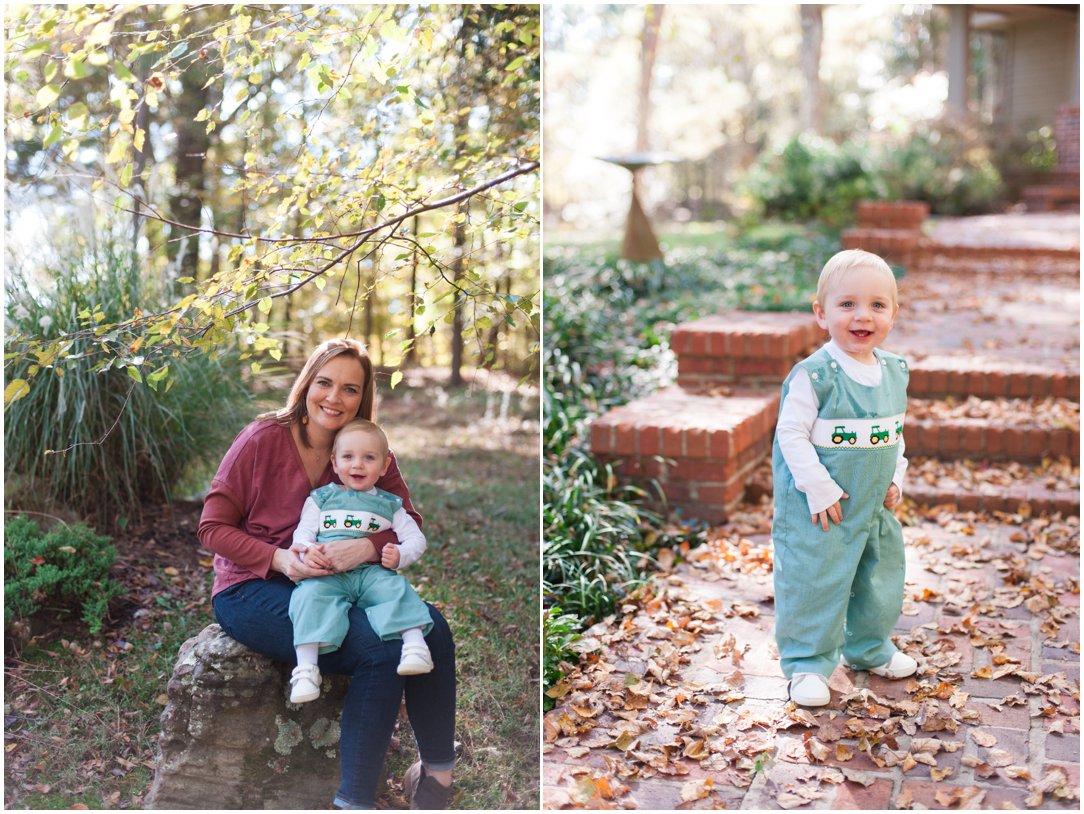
678	701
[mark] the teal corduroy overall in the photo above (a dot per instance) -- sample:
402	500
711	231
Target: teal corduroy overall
319	606
841	590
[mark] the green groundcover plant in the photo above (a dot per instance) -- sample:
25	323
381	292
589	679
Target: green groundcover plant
64	568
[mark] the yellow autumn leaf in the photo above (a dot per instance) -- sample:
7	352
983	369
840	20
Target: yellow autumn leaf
117	150
15	390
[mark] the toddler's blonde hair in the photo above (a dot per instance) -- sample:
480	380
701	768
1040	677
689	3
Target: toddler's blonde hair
366	426
848	260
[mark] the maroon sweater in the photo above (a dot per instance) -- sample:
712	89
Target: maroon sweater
255	503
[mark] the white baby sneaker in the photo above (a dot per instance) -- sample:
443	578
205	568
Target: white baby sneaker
809	690
899	666
304	684
415	660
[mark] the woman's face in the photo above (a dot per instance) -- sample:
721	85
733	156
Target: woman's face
335	394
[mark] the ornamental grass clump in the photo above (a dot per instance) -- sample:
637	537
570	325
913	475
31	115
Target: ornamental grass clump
107	442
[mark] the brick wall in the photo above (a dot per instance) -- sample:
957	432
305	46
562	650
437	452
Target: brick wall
1067	137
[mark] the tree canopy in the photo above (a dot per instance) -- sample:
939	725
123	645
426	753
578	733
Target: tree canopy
282	168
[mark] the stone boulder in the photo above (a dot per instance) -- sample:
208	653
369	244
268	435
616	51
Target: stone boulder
231	740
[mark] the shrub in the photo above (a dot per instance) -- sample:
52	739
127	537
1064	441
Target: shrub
65	567
126	446
813	178
946	165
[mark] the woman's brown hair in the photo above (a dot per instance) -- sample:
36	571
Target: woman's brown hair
295	411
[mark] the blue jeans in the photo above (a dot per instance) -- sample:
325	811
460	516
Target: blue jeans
256	613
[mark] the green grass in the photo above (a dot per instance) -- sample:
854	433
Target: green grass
715	236
475	482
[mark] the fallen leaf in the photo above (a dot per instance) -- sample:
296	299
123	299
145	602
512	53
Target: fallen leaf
696	790
983	738
798	797
967	797
937	775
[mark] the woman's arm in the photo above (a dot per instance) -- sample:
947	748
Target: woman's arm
220	531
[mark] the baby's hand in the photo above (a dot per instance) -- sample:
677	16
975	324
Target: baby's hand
389	556
312	555
835	512
892	499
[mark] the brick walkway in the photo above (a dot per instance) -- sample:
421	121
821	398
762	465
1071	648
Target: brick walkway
679	701
992	614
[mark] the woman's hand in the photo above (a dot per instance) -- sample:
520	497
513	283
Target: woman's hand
289	563
347	554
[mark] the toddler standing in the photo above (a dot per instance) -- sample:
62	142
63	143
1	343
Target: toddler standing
319	605
838	468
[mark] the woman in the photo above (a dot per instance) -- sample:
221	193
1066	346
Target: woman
248	522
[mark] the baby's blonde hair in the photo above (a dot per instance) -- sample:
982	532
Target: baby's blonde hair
362	425
847	260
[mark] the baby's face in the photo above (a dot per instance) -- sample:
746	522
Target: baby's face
858	312
360	459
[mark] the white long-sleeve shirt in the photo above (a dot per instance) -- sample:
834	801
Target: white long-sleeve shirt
411	540
796	417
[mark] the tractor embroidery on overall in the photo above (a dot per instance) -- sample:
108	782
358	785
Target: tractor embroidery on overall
329	522
877	435
841	434
351	522
899	429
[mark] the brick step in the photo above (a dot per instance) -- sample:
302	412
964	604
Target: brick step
994	429
1052	488
1031	487
759	349
1051	197
1003	259
700	449
963	376
986	252
752	347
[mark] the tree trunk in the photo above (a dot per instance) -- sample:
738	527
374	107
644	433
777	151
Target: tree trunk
810	113
410	354
455	379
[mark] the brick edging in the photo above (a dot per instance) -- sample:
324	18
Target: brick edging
1009	499
985	438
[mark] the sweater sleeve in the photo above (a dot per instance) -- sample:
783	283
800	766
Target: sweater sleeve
392	481
220	532
796	417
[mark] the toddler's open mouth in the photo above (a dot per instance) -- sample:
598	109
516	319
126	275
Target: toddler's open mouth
862	334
